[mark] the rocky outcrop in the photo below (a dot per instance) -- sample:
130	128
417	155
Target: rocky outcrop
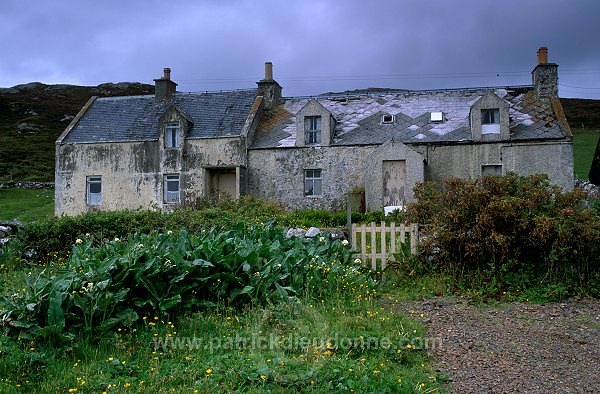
9	229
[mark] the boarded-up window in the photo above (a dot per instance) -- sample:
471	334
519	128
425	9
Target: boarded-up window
491	169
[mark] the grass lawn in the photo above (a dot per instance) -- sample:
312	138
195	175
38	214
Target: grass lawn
26	205
584	146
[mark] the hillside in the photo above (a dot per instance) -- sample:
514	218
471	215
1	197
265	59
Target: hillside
582	113
32	116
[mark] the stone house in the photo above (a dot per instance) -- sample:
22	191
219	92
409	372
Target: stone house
172	148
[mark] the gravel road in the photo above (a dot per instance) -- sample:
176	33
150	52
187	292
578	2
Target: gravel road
513	348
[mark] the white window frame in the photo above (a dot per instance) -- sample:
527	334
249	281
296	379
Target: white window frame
172	138
387	118
437	117
171	196
490	121
313	182
312	130
93	196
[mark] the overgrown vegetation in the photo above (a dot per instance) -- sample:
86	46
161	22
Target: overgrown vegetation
243	309
509	233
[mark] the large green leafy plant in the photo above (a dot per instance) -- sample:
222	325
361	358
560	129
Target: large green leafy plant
113	284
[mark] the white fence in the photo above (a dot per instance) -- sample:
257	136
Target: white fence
379	243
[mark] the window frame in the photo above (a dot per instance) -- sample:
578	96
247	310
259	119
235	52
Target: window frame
490	121
171	197
491	170
312	130
172	135
314	178
93	198
391	118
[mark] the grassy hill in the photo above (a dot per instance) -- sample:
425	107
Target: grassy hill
32	116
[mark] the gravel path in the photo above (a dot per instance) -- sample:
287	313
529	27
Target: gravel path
514	348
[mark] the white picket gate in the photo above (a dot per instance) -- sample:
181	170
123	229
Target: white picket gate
379	243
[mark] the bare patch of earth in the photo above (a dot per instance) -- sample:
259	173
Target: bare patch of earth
513	348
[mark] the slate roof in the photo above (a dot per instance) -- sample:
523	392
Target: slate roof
135	118
358	117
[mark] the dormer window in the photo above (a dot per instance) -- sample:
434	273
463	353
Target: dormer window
386	119
172	135
312	130
490	121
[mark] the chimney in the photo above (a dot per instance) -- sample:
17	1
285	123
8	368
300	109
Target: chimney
268	71
269	89
545	75
164	88
542	55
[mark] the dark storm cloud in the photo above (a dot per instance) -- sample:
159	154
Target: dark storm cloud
316	46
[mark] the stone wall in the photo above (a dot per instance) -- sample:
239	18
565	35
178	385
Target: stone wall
27	185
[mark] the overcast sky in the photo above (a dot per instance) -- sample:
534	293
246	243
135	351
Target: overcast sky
315	46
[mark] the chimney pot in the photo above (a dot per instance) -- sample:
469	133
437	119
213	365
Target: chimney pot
542	55
167	72
268	71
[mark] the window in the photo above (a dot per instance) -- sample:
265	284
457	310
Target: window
94	190
437	117
172	135
491	169
312	182
312	130
171	188
490	121
387	119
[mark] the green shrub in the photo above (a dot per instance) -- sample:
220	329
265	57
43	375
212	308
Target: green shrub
56	235
508	229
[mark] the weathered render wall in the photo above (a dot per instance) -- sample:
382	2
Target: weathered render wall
465	161
205	154
552	158
128	170
278	174
132	173
391	150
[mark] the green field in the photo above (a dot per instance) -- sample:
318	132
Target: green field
584	146
26	205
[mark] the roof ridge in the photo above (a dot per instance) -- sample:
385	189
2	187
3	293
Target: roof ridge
367	93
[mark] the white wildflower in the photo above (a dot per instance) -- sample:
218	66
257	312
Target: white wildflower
117	240
140	246
78	241
169	232
345	242
358	261
322	239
